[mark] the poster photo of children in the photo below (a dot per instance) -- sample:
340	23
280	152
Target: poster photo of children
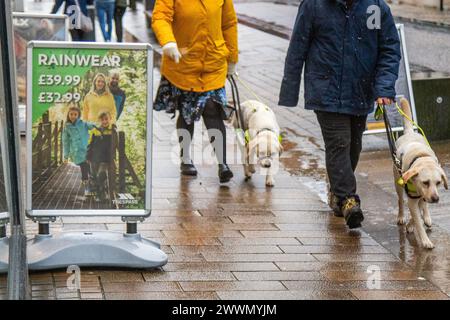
89	128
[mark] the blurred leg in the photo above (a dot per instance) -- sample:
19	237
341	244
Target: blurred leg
185	134
109	18
118	16
101	12
216	130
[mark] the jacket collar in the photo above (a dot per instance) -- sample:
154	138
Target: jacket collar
74	123
344	3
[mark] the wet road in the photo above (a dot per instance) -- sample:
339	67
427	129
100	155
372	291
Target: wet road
428	47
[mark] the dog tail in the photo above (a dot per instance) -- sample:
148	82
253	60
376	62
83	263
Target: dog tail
404	103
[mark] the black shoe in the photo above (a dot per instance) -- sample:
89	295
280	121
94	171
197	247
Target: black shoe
225	173
188	169
333	203
351	209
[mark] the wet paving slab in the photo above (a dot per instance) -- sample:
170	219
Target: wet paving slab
376	182
243	242
247	242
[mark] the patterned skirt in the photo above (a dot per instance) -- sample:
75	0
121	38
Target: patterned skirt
190	104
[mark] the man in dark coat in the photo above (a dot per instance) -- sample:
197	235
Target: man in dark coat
118	93
351	53
77	34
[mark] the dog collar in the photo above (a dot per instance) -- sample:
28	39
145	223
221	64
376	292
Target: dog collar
415	159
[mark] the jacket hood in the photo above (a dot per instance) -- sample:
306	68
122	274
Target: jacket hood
73	123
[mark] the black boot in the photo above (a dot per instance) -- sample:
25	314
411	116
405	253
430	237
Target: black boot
333	203
351	209
188	169
225	173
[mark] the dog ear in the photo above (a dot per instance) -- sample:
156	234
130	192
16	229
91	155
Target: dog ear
444	179
410	174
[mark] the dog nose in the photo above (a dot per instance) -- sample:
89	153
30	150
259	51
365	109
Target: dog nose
435	199
266	165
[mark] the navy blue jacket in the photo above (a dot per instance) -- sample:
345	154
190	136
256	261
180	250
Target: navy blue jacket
67	3
347	64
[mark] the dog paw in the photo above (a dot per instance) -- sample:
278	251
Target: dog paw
270	183
401	221
427	244
410	227
427	222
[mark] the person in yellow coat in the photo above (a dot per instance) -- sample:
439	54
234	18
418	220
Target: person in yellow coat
200	48
99	100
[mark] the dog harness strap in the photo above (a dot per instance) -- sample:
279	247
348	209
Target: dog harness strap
415	159
409	193
264	129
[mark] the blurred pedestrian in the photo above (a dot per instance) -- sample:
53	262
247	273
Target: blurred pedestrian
351	60
133	5
75	30
121	7
200	48
105	14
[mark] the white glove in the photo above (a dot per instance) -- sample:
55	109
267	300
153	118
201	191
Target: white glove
232	69
170	49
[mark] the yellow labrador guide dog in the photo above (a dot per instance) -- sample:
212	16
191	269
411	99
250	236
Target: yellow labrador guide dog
262	145
421	169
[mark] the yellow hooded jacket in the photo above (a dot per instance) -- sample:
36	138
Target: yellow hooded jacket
95	104
206	34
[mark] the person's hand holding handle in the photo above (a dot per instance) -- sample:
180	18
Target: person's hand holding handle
232	69
170	50
384	101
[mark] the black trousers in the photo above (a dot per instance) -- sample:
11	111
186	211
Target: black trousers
85	170
77	34
118	16
342	135
212	117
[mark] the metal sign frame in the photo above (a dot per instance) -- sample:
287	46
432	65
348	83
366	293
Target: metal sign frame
46	16
405	62
4	216
18	285
137	213
24	15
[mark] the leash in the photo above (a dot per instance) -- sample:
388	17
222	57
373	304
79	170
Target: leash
247	87
412	122
241	133
236	102
390	136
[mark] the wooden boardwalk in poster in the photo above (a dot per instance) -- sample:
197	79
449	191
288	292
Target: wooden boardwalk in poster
58	186
64	191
